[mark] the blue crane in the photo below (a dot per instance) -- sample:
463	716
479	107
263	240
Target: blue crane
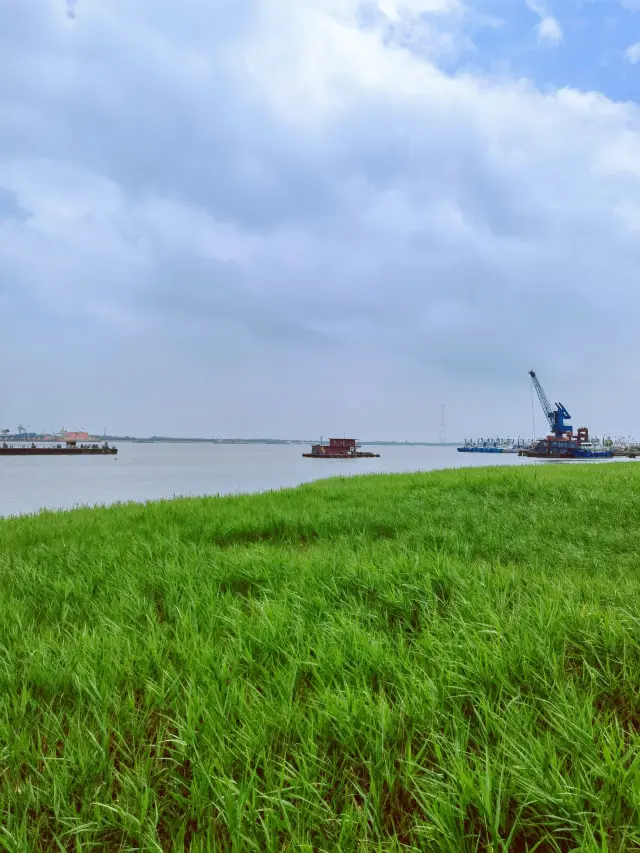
557	416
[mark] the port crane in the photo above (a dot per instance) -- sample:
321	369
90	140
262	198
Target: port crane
557	416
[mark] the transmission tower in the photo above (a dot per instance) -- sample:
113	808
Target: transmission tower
442	437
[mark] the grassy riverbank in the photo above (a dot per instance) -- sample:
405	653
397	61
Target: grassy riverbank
448	661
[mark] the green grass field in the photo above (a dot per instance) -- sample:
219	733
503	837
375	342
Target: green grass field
432	662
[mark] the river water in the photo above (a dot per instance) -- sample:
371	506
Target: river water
142	472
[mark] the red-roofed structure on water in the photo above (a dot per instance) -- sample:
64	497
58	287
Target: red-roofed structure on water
339	448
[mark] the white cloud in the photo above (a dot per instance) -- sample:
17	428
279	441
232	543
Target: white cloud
548	29
632	54
396	9
325	53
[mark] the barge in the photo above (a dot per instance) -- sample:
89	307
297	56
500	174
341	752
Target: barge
567	446
69	448
339	448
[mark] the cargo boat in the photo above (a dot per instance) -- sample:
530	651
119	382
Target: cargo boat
69	448
567	446
339	448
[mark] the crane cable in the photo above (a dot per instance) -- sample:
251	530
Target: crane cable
533	411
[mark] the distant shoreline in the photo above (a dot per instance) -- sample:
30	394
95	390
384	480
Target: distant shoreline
279	441
180	440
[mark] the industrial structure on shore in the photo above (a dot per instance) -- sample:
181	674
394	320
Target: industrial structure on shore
23	434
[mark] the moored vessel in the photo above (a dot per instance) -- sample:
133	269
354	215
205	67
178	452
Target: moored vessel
339	448
491	445
567	446
480	449
69	448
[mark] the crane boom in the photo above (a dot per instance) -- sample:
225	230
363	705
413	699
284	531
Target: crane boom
544	402
557	416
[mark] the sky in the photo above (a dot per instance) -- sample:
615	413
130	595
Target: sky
292	219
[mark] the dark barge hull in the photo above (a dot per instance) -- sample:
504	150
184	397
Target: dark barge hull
58	451
537	454
530	454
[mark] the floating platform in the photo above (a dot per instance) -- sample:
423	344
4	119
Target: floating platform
70	448
567	446
339	448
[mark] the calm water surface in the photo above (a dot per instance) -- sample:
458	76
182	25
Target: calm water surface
144	472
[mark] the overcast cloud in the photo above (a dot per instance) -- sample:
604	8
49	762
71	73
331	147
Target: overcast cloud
286	218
